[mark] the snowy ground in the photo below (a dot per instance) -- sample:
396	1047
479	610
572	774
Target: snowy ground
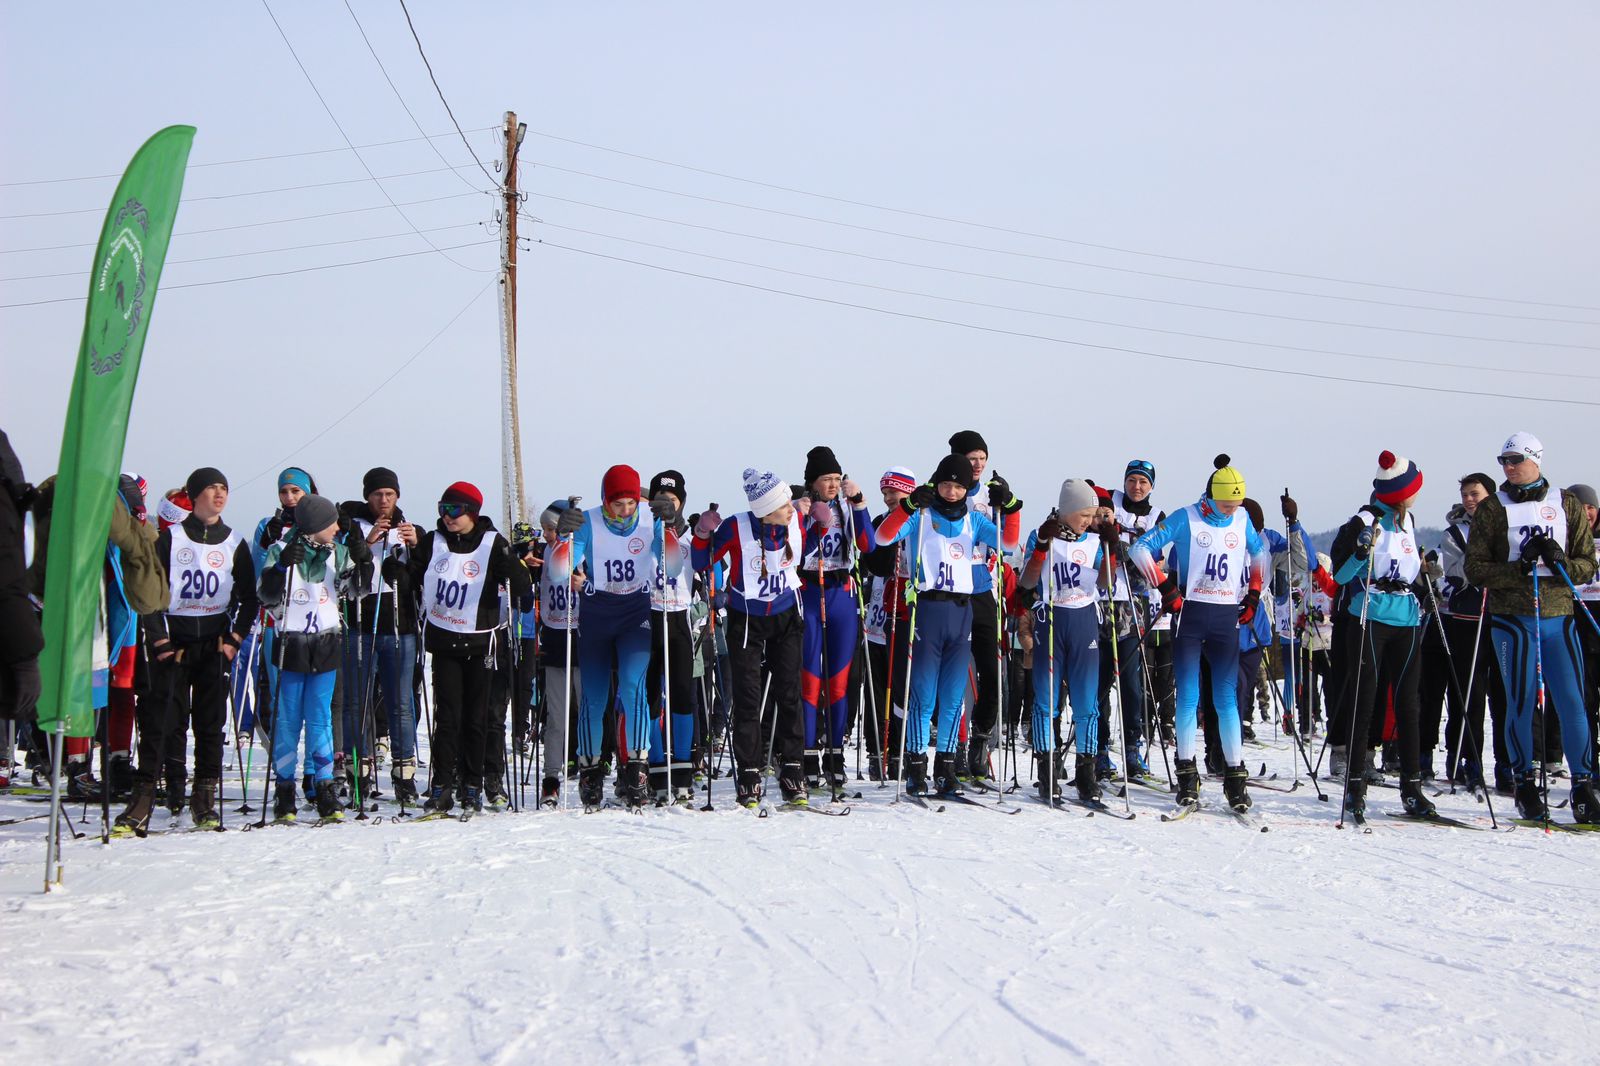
680	936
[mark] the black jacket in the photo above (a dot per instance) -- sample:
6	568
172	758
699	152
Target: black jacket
235	622
21	638
504	568
396	611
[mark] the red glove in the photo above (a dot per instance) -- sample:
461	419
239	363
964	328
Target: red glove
1248	607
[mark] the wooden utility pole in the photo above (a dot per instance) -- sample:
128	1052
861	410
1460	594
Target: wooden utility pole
510	418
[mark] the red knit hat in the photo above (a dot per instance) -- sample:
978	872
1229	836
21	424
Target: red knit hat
464	492
621	481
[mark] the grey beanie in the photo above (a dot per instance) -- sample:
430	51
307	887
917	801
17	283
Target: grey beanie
548	516
1585	494
313	514
1077	495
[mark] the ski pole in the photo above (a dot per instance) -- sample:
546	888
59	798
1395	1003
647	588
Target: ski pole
1361	655
1538	692
911	645
1455	684
1116	676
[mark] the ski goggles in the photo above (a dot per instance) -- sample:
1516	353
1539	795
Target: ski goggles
452	510
1141	466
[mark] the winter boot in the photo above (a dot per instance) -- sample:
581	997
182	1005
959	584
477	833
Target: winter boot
833	771
1338	762
917	774
1087	778
135	818
1355	801
1585	804
203	803
550	791
1236	787
1048	765
328	806
946	774
1188	782
1530	803
978	759
792	783
1416	802
637	777
472	800
283	804
591	786
119	775
748	789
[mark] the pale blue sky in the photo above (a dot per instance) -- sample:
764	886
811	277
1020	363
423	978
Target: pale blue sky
1446	146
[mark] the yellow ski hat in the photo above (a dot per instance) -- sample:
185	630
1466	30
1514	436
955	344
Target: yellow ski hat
1226	483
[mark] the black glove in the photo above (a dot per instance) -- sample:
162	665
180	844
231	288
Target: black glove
1291	510
665	507
1049	530
1554	556
1364	543
999	493
921	497
292	554
570	521
273	529
1248	606
129	488
1542	549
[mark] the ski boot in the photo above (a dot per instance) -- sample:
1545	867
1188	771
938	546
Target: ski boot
619	786
328	806
947	774
550	792
1104	768
308	788
380	753
917	774
1087	778
472	800
1049	767
1247	731
792	783
440	800
403	776
1416	802
892	769
367	780
813	767
1137	767
682	796
963	762
748	789
1585	804
1236	787
176	780
1355	800
636	779
1188	783
978	760
203	803
1555	769
1338	762
119	775
494	792
82	785
1391	759
341	777
1530	803
833	773
1505	783
592	787
283	803
135	818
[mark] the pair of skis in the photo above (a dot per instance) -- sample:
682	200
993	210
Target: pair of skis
1248	819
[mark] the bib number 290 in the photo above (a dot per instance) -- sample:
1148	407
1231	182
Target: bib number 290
199	585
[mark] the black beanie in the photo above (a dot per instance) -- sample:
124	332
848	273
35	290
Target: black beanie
203	479
968	440
670	481
953	467
820	462
379	477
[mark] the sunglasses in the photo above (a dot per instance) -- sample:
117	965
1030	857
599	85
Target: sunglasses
452	510
1512	460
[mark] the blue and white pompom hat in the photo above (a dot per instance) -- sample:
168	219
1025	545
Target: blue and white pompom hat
765	490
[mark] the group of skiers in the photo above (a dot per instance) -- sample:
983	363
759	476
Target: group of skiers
639	635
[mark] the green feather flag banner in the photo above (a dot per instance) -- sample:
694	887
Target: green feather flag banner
122	293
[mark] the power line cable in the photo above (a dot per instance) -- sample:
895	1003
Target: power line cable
252	225
247	159
259	251
1095	292
1078	318
268	274
1062	240
359	157
1022	334
406	107
448	110
253	192
377	389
